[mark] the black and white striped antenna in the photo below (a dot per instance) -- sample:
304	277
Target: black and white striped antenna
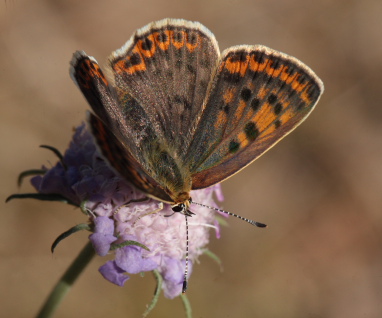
188	213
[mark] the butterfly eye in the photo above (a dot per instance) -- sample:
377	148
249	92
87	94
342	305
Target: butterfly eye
179	207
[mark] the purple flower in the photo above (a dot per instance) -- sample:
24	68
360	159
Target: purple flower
131	260
173	273
113	273
103	235
86	179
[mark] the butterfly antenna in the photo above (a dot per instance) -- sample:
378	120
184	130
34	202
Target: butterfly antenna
184	288
258	224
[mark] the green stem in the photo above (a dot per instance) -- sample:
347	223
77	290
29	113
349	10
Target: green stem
157	292
187	305
67	280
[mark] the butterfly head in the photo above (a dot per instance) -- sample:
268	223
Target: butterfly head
183	207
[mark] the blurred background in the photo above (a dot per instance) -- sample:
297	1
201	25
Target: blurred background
319	190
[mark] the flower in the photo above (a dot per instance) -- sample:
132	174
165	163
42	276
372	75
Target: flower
120	214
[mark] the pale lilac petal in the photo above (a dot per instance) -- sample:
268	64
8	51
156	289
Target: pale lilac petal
101	242
219	192
103	235
103	225
173	276
129	258
113	273
217	229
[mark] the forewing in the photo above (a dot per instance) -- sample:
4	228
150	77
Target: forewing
109	126
258	96
101	96
166	67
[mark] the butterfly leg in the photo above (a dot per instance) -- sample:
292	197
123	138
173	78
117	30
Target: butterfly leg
131	201
152	212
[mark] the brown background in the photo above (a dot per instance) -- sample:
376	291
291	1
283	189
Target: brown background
319	190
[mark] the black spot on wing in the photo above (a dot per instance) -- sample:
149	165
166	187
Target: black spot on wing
245	94
233	146
255	104
147	44
251	131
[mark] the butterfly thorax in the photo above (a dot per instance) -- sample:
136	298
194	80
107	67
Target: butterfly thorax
165	167
182	198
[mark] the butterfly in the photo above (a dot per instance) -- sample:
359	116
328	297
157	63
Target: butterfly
175	115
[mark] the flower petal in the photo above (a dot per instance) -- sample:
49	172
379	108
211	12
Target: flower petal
130	259
173	275
103	235
113	273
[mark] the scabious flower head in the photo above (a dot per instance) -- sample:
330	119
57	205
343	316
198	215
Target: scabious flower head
120	213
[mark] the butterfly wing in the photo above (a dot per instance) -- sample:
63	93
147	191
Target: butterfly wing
102	97
86	73
258	96
160	79
167	67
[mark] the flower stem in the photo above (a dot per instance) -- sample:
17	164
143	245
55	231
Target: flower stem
187	305
157	292
67	280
